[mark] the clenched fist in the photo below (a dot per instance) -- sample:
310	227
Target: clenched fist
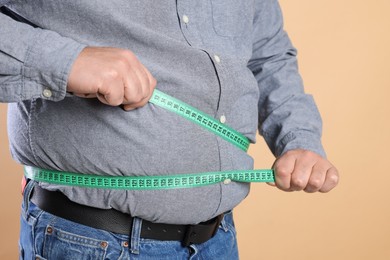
115	76
304	170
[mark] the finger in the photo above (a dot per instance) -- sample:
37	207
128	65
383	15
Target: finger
133	106
128	107
151	84
283	168
132	88
85	95
112	98
271	184
152	81
301	174
143	75
111	93
331	180
317	178
102	99
148	84
139	82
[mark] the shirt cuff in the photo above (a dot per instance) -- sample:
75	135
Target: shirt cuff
300	140
47	66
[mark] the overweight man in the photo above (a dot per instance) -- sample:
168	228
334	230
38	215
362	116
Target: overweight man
79	77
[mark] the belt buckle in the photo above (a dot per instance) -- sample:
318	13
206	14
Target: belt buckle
189	237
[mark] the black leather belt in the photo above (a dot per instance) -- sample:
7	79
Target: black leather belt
112	220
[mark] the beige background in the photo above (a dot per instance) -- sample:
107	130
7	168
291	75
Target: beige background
344	54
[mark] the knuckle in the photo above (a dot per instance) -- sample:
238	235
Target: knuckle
308	153
113	74
315	183
310	156
282	172
298	183
127	56
122	63
334	179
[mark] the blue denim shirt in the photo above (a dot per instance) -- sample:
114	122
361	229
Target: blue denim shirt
228	58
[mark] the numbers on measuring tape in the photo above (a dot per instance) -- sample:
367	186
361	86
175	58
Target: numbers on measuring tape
147	182
163	100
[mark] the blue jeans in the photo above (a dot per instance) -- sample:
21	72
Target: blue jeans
45	236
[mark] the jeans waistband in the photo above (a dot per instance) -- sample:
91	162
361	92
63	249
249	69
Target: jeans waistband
115	221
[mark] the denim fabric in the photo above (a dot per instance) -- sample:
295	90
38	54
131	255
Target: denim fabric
45	236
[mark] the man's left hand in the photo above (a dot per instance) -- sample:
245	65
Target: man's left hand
298	170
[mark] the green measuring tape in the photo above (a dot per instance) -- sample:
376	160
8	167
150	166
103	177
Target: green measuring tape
147	182
163	182
179	107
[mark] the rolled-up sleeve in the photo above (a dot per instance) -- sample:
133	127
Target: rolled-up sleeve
288	117
34	63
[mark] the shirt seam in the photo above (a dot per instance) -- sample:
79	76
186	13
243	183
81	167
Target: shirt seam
30	130
28	53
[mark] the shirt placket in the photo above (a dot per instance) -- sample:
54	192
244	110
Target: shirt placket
190	29
191	34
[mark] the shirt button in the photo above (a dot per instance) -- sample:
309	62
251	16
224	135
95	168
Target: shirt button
222	119
227	181
47	93
186	19
217	59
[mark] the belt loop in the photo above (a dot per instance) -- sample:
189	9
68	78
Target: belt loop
27	192
224	225
135	235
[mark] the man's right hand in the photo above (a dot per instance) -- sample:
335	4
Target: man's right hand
115	76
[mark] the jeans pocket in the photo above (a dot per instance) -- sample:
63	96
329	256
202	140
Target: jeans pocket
59	244
28	231
224	243
227	223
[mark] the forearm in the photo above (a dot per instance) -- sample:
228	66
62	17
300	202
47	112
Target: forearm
33	60
288	117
